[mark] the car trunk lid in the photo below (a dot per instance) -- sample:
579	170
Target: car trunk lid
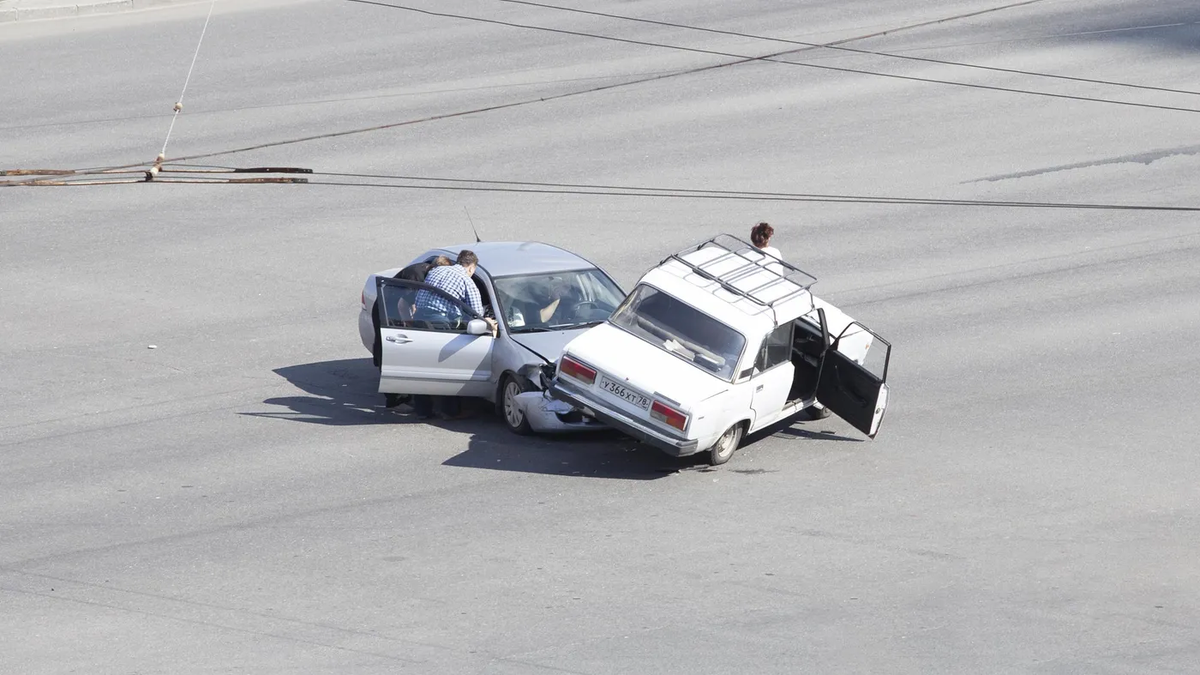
635	368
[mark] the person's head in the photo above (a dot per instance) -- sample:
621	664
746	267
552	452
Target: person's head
468	260
558	288
760	234
442	261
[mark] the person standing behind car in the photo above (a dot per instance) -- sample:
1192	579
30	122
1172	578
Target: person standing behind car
455	281
418	271
414	272
760	236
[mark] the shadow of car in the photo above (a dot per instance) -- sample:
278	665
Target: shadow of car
344	393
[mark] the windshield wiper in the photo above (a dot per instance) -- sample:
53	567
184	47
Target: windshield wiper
533	329
577	326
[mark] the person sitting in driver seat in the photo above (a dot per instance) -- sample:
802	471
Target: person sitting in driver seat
548	297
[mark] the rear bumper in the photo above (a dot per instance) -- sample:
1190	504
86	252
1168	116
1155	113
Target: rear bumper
366	329
677	447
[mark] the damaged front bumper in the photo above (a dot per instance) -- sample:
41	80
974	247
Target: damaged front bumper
546	415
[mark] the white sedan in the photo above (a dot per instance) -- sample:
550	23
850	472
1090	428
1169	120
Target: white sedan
541	296
717	342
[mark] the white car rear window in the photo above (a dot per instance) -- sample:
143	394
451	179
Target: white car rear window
682	330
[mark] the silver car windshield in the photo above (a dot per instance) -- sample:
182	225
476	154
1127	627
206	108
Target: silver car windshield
558	301
682	330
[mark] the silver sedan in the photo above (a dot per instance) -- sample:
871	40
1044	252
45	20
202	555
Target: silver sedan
541	296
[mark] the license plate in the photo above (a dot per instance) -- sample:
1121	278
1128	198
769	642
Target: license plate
625	393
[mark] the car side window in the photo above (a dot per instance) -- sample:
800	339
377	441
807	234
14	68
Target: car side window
414	306
776	348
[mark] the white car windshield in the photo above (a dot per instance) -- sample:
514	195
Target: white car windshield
682	330
557	301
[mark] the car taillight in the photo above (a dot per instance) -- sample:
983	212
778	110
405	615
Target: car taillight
577	370
671	416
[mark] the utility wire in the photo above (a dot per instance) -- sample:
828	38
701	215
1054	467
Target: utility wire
839	69
606	87
675	193
629	188
327	101
549	188
852	50
179	103
1055	36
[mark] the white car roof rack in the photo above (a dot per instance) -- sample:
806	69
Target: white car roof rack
781	272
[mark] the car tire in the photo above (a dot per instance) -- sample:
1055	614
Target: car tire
513	418
726	445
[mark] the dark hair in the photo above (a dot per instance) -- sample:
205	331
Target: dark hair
760	234
467	258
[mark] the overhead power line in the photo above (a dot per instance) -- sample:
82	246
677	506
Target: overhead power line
542	99
910	78
852	50
210	175
485	185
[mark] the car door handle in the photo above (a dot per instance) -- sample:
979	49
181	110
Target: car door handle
402	339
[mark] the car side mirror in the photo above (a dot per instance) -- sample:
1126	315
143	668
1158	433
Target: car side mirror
478	327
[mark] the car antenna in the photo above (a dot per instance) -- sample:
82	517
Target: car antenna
473	230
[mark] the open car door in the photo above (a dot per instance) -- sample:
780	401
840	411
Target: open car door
850	389
446	353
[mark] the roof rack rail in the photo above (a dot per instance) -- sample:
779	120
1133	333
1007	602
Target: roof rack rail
733	247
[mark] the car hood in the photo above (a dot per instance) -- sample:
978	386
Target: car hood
549	345
627	358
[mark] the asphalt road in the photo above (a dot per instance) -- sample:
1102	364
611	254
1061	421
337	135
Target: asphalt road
237	500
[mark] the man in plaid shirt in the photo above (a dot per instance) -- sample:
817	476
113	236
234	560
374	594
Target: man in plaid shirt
455	281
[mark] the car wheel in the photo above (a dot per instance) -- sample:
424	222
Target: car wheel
510	411
726	445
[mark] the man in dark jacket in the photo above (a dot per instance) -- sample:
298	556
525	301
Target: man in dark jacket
417	271
414	272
